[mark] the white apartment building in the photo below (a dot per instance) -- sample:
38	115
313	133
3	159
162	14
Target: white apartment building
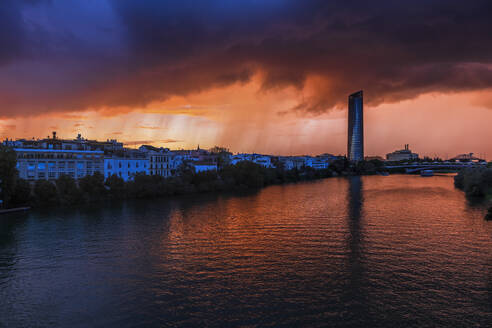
159	160
35	164
125	168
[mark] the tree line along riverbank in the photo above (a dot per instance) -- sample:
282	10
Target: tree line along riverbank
67	191
476	183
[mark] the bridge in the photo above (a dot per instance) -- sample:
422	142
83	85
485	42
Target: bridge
449	166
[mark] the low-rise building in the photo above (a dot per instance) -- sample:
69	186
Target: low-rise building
402	155
127	165
159	160
35	164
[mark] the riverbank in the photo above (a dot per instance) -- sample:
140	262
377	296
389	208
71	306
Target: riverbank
475	182
66	191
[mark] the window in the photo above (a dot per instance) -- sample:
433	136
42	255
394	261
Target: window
119	165
41	166
80	165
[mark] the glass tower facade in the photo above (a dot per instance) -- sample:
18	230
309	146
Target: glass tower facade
355	144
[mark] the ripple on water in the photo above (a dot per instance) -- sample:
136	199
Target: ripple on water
371	251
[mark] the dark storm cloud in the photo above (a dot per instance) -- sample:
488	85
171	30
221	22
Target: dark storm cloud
136	52
11	33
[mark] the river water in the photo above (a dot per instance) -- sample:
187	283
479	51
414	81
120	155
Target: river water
397	251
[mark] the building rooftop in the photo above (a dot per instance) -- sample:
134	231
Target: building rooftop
58	150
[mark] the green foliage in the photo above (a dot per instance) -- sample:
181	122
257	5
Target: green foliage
45	193
474	182
205	181
68	192
340	165
8	173
22	193
219	150
147	186
244	174
92	186
459	180
116	187
222	154
364	167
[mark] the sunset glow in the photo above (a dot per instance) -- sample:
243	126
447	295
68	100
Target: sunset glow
275	82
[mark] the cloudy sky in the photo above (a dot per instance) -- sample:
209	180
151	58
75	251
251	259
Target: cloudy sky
269	76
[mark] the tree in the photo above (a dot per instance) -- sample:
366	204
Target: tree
146	186
218	150
223	156
92	186
205	181
68	191
22	193
244	174
8	173
45	193
459	180
340	165
116	186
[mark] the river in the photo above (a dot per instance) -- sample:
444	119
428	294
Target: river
396	251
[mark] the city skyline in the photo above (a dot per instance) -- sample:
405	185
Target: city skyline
278	88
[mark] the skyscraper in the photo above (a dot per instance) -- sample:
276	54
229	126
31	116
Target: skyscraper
355	144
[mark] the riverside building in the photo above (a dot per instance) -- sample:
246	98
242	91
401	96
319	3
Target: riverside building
126	165
36	164
402	155
355	143
159	160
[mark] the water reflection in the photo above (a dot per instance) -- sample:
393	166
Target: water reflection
356	298
356	252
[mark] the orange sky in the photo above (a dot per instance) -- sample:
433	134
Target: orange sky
254	76
245	118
